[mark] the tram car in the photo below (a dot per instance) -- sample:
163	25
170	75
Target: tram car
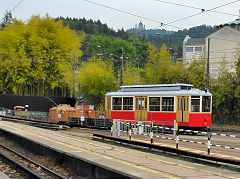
161	104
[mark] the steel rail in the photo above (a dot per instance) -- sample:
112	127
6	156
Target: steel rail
53	174
37	123
25	170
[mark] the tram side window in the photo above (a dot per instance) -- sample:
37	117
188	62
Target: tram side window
117	103
195	104
206	100
167	104
128	103
154	104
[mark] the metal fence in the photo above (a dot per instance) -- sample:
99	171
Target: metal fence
43	116
138	129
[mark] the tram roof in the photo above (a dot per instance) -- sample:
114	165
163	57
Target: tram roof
156	87
179	89
161	93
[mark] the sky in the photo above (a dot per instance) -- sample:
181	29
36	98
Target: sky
150	12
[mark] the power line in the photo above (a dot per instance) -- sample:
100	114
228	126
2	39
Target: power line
202	11
17	5
223	5
197	8
163	24
128	13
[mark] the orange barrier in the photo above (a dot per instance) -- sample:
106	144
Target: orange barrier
64	114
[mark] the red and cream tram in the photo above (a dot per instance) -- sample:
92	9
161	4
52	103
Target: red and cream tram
162	104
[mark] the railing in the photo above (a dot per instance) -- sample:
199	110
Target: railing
43	116
148	129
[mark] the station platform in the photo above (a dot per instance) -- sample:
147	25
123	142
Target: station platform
3	176
127	162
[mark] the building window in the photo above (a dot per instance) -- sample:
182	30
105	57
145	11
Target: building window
189	49
167	104
117	103
195	104
128	103
198	49
154	103
206	100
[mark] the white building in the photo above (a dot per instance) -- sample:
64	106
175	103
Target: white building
193	48
224	46
140	26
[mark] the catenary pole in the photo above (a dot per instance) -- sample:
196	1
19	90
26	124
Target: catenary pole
207	74
122	66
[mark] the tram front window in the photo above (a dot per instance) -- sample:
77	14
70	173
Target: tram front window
206	100
128	103
167	104
154	103
117	103
195	104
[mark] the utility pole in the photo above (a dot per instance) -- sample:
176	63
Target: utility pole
122	66
207	74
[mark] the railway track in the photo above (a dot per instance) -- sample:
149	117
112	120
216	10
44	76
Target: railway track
25	167
121	155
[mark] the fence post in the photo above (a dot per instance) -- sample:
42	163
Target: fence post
163	129
174	128
209	135
116	127
156	127
177	139
112	130
151	135
130	133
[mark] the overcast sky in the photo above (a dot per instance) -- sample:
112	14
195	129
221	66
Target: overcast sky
151	9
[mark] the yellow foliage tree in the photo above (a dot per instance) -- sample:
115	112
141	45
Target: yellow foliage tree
96	78
159	65
36	55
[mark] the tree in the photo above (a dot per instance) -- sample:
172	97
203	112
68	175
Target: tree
37	56
196	72
131	75
159	65
109	49
224	100
178	73
96	78
7	19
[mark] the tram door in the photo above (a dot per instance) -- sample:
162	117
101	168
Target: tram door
141	108
182	109
108	107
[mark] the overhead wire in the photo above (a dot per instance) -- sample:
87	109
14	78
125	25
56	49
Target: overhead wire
196	14
16	5
168	24
193	7
128	13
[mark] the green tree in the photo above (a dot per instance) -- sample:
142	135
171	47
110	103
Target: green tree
224	100
7	19
37	56
96	78
109	47
196	72
159	65
178	73
131	75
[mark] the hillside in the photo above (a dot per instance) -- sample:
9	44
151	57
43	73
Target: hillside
173	39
